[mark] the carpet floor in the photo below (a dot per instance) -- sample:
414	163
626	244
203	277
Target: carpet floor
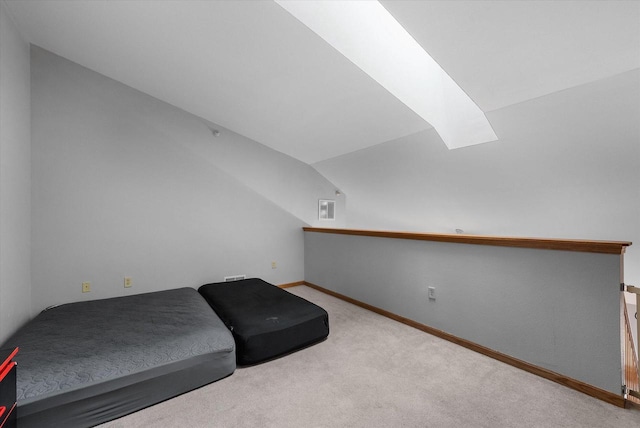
376	372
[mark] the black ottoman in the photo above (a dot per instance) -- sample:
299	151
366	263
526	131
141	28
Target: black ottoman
265	321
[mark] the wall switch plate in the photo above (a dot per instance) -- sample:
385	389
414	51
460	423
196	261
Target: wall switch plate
274	265
127	282
432	293
86	287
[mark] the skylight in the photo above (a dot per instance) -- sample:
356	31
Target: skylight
366	34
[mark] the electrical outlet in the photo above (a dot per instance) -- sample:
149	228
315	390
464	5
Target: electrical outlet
274	265
127	282
86	287
432	293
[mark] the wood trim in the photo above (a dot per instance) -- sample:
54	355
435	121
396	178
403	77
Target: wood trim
605	247
291	284
632	405
630	360
609	397
632	289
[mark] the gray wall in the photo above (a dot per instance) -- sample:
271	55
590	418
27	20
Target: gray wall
567	165
15	178
126	185
292	185
554	309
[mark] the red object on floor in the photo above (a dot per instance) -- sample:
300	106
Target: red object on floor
8	388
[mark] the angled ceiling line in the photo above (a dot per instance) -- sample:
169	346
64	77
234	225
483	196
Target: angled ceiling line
371	38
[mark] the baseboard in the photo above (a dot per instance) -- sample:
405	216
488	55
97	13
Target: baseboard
601	394
291	284
632	405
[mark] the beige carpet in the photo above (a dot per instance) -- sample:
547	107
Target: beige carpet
375	372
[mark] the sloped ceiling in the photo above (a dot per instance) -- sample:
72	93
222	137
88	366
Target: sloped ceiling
253	68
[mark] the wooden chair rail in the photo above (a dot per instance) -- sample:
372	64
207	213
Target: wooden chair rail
604	247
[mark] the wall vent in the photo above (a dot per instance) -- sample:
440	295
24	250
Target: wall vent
234	278
326	209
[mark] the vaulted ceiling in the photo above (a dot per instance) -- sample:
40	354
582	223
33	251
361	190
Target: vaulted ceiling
251	67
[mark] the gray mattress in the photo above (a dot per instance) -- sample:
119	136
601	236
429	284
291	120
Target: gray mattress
85	363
